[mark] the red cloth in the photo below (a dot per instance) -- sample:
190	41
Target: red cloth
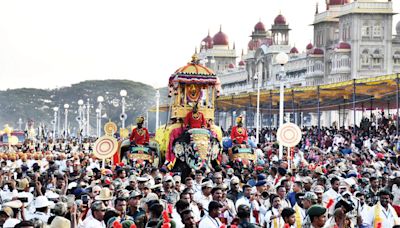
175	133
140	136
397	209
195	122
239	133
380	155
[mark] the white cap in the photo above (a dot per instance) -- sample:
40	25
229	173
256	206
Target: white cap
72	185
51	195
10	223
13	204
42	201
142	179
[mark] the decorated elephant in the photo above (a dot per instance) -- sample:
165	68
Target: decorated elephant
194	149
242	155
138	155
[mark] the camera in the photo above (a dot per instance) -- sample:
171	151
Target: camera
85	199
265	195
23	199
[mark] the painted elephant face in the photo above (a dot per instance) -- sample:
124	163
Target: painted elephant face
179	151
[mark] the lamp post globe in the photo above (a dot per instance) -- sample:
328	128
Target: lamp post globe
55	109
80	102
282	58
66	106
123	93
100	99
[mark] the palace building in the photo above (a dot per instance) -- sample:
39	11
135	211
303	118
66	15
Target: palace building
351	40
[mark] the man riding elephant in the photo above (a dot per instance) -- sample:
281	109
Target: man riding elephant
140	134
195	118
239	133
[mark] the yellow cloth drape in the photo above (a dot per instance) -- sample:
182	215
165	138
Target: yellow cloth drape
298	216
377	216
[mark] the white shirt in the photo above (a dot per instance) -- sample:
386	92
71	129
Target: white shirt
260	154
270	223
396	194
253	206
196	187
202	199
196	211
208	222
389	217
285	203
91	222
365	209
177	219
330	194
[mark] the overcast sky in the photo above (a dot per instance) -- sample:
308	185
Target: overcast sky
48	44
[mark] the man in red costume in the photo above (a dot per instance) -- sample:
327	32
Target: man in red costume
239	133
140	134
195	119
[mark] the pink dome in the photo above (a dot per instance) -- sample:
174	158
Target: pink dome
280	20
317	51
208	42
309	46
259	27
343	45
231	65
220	38
338	2
294	50
242	63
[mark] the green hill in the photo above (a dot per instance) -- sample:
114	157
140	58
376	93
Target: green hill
37	104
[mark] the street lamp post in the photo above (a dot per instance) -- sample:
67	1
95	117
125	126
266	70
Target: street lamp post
258	108
282	58
100	99
80	117
66	107
20	123
55	109
83	119
157	109
123	116
97	122
87	118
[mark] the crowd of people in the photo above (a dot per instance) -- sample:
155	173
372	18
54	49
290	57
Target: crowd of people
339	178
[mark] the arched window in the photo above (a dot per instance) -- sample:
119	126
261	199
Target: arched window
377	58
365	57
396	57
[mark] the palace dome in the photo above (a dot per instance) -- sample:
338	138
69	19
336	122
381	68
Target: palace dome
259	27
280	20
343	45
220	38
294	50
